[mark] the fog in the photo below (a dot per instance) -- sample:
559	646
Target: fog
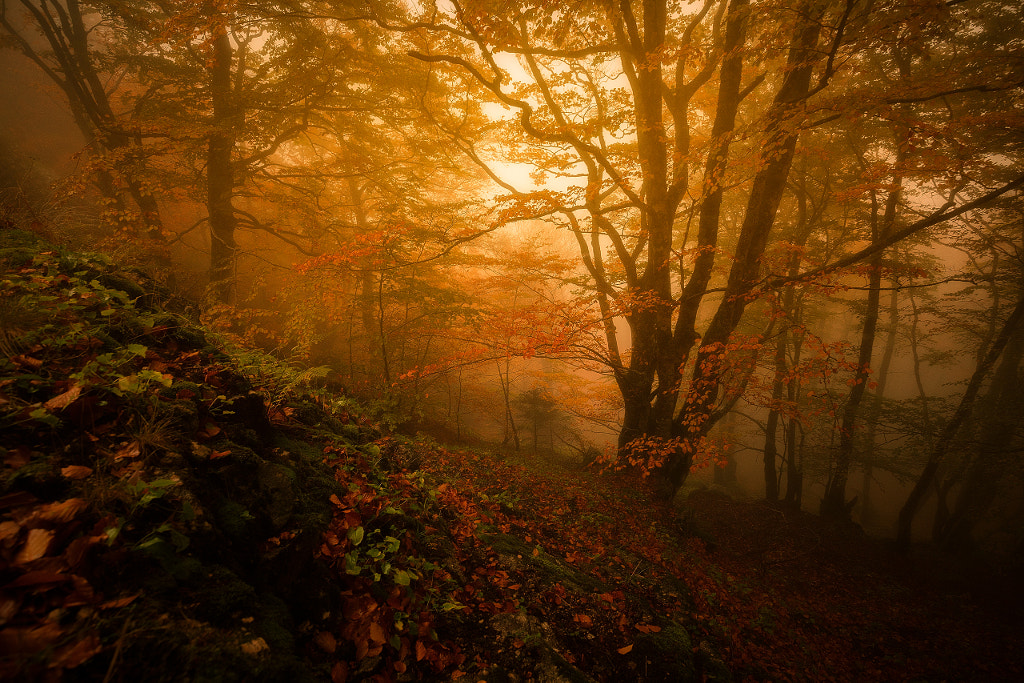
511	247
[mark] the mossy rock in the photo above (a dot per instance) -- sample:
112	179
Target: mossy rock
221	596
669	653
277	500
551	569
236	521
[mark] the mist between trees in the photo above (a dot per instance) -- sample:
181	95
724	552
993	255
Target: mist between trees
779	242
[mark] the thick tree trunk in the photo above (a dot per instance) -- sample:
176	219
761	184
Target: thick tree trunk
76	75
676	347
695	418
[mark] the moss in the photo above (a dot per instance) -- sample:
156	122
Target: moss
276	501
19	246
221	596
235	520
274	623
552	570
669	653
191	338
124	284
306	451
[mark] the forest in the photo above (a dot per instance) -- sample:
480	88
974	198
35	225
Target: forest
595	340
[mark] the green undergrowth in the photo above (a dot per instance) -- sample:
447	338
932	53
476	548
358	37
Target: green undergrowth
178	509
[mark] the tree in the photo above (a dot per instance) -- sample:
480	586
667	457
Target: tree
620	97
539	409
74	53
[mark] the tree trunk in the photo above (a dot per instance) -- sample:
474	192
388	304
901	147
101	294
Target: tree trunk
876	404
695	418
834	504
771	477
506	392
220	173
788	306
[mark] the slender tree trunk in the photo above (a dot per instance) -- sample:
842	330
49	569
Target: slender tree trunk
506	391
794	462
220	176
834	504
771	478
794	451
876	404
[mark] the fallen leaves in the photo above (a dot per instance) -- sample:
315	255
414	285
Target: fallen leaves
255	647
35	547
65	399
76	472
326	642
131	449
60	512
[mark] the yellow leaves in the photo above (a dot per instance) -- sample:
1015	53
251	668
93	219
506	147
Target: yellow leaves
625	650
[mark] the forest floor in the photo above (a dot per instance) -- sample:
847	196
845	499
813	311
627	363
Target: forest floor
770	594
174	507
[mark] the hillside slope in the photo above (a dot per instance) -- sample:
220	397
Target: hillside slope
176	509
